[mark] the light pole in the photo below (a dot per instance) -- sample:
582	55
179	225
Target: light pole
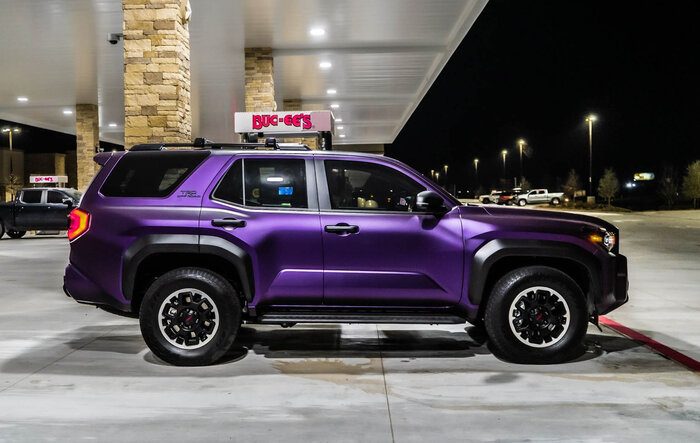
476	174
590	119
12	177
432	174
437	178
504	152
521	142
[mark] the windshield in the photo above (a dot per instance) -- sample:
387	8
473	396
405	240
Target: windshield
72	193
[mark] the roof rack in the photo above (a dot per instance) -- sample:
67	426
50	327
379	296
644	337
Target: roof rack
203	143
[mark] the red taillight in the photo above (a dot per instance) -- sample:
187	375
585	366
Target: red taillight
79	223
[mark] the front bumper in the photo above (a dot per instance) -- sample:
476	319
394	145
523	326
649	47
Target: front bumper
82	290
617	286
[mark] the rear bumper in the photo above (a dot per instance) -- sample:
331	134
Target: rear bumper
615	294
82	290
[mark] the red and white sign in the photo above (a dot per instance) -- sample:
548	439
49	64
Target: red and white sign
283	122
40	179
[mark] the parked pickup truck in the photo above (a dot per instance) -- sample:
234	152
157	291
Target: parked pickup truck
37	209
490	198
537	196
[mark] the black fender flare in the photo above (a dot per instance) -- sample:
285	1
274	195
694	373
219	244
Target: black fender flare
497	249
190	244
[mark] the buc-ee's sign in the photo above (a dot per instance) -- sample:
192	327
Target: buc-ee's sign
283	122
38	179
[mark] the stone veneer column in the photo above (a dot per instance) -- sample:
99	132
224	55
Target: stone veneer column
156	72
259	80
87	135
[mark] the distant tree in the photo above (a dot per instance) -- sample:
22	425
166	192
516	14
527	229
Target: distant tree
668	186
691	182
524	184
608	185
573	184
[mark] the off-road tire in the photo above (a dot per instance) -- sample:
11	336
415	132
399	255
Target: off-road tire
16	234
503	339
220	293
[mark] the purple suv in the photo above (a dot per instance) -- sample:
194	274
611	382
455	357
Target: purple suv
196	241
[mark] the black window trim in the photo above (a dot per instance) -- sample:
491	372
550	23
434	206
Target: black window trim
324	197
179	186
311	185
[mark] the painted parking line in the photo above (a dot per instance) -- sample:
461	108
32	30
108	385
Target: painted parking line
662	349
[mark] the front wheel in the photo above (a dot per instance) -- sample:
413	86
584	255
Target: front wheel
522	202
190	317
536	314
16	234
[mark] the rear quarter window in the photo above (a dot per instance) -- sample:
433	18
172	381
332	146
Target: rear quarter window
151	174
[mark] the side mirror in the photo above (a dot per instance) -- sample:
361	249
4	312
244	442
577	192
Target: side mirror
429	201
68	202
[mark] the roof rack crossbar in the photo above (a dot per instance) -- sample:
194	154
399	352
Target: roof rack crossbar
203	143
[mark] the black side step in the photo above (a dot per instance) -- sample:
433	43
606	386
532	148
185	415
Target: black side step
366	317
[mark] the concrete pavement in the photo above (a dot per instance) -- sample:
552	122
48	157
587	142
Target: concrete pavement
70	372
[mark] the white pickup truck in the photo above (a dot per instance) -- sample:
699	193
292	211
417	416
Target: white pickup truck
537	196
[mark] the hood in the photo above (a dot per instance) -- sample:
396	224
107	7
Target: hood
534	220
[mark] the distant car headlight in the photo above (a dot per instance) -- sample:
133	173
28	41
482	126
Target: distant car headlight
604	238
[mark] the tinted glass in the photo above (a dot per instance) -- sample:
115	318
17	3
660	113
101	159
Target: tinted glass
230	187
369	186
275	182
55	197
31	196
150	174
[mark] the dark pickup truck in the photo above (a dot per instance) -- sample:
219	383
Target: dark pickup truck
37	209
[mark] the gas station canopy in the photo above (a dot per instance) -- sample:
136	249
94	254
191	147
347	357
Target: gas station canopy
370	62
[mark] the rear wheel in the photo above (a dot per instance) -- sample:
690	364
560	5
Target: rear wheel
522	202
536	314
190	317
485	200
16	234
555	201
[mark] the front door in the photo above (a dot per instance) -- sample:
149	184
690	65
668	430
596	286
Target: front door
378	250
56	211
267	206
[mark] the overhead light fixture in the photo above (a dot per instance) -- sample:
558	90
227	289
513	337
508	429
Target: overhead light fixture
331	91
341	127
317	32
325	65
67	112
334	105
342	136
338	120
22	99
112	125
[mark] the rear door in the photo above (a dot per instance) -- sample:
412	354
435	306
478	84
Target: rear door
378	251
267	206
30	210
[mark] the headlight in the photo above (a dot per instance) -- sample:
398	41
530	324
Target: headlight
604	238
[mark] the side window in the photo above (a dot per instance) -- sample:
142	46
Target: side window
275	182
31	196
151	174
230	188
369	186
54	197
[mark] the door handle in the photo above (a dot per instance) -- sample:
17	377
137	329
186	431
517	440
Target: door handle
342	228
228	223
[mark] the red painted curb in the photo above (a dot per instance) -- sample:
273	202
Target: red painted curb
662	349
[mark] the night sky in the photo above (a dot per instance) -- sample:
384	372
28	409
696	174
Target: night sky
535	69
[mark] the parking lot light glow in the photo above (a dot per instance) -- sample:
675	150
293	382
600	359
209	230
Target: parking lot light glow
335	106
112	125
341	127
342	135
325	65
67	112
331	91
317	32
22	99
338	120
